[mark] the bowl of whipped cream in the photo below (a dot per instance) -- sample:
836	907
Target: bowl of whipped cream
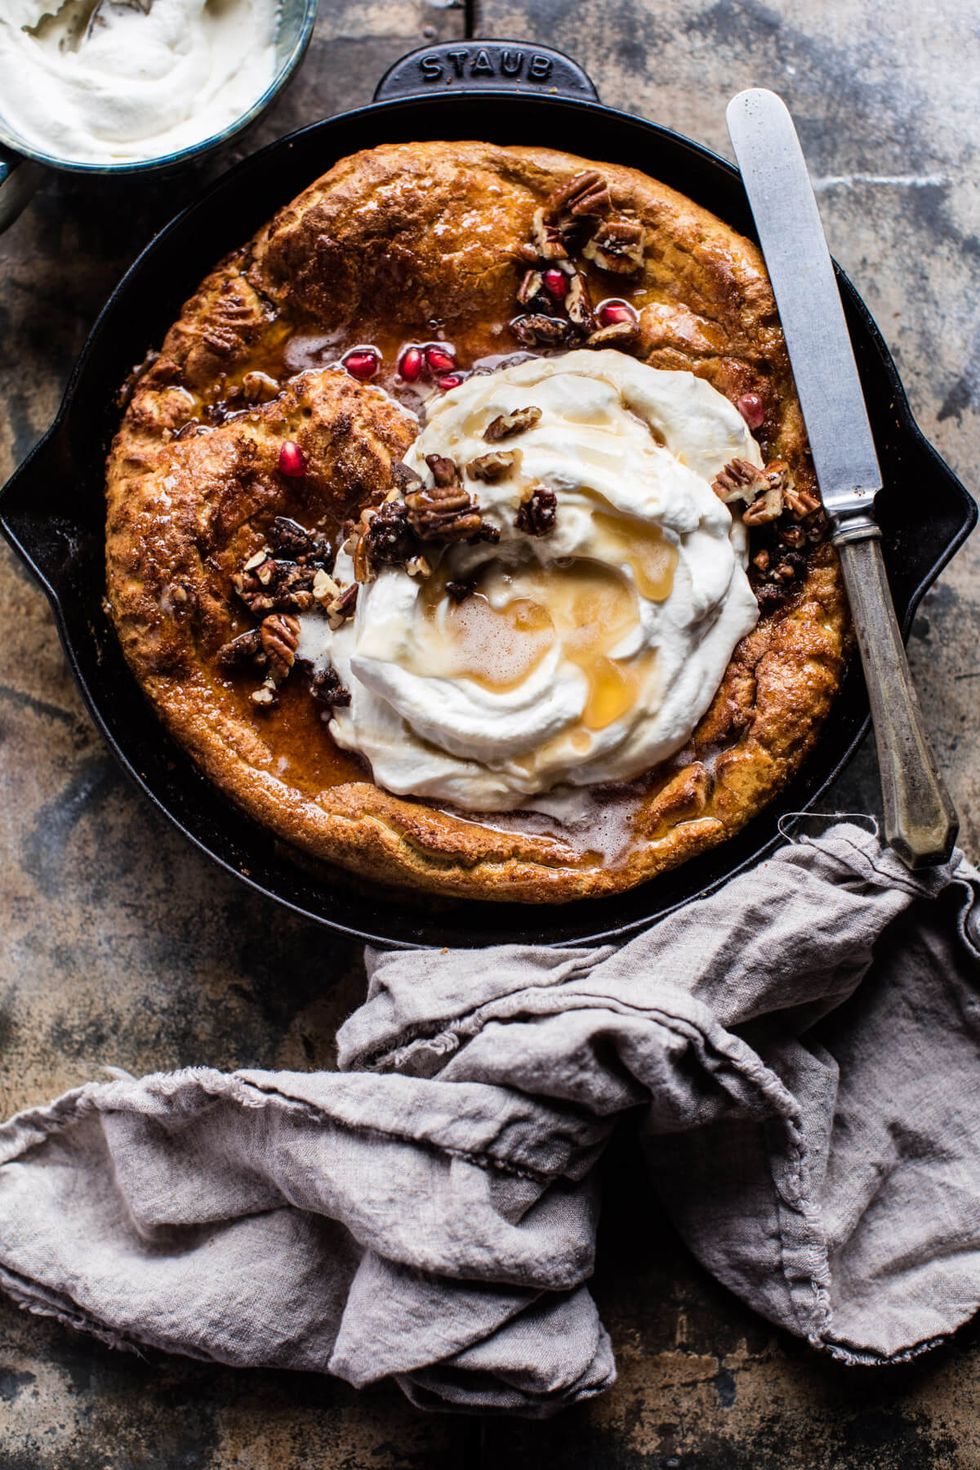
121	86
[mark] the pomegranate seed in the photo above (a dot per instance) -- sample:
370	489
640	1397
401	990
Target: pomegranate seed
411	363
451	380
610	312
362	365
556	283
292	460
752	409
440	359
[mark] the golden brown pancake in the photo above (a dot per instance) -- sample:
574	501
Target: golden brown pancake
415	243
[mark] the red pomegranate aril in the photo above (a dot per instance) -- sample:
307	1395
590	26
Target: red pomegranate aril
440	359
611	312
451	380
556	284
411	363
362	365
752	409
292	460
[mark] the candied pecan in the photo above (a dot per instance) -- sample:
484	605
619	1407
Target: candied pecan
538	330
739	480
793	536
389	539
295	542
616	334
546	239
266	695
485	533
586	195
461	590
279	634
239	652
445	471
506	425
538	512
578	305
402	477
617	245
492	467
337	601
531	286
274	586
765	508
326	688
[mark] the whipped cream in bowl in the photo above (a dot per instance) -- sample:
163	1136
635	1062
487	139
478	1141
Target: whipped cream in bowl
122	84
583	642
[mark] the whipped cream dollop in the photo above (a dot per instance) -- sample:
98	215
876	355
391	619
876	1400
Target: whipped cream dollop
118	81
584	655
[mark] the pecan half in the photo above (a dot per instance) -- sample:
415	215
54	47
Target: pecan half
617	246
275	586
506	425
492	467
538	512
279	635
445	511
538	330
586	195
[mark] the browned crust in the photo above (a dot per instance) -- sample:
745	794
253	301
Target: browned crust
356	251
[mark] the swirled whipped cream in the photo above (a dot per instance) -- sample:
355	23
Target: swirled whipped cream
583	655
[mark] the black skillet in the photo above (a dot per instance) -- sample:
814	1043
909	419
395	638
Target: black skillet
52	509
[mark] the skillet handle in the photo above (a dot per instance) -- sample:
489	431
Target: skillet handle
486	66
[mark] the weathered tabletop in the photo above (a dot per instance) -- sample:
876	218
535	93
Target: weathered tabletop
122	945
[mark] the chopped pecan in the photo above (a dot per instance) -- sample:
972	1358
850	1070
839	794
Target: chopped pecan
617	245
584	196
546	239
266	695
326	688
259	387
616	334
293	541
337	601
239	652
801	502
765	508
492	467
538	330
402	477
538	512
274	586
279	634
506	425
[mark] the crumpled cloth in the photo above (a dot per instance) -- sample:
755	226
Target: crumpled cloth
800	1052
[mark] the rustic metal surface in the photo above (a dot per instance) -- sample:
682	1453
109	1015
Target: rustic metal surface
121	945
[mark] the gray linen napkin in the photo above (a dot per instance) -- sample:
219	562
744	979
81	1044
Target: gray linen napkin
801	1053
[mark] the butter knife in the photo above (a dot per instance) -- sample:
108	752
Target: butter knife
920	819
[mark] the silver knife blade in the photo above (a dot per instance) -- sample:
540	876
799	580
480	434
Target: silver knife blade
775	176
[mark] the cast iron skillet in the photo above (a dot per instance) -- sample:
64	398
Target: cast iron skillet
52	509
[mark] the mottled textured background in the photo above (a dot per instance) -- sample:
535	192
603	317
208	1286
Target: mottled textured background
122	945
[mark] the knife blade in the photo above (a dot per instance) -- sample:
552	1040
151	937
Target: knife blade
775	176
920	819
